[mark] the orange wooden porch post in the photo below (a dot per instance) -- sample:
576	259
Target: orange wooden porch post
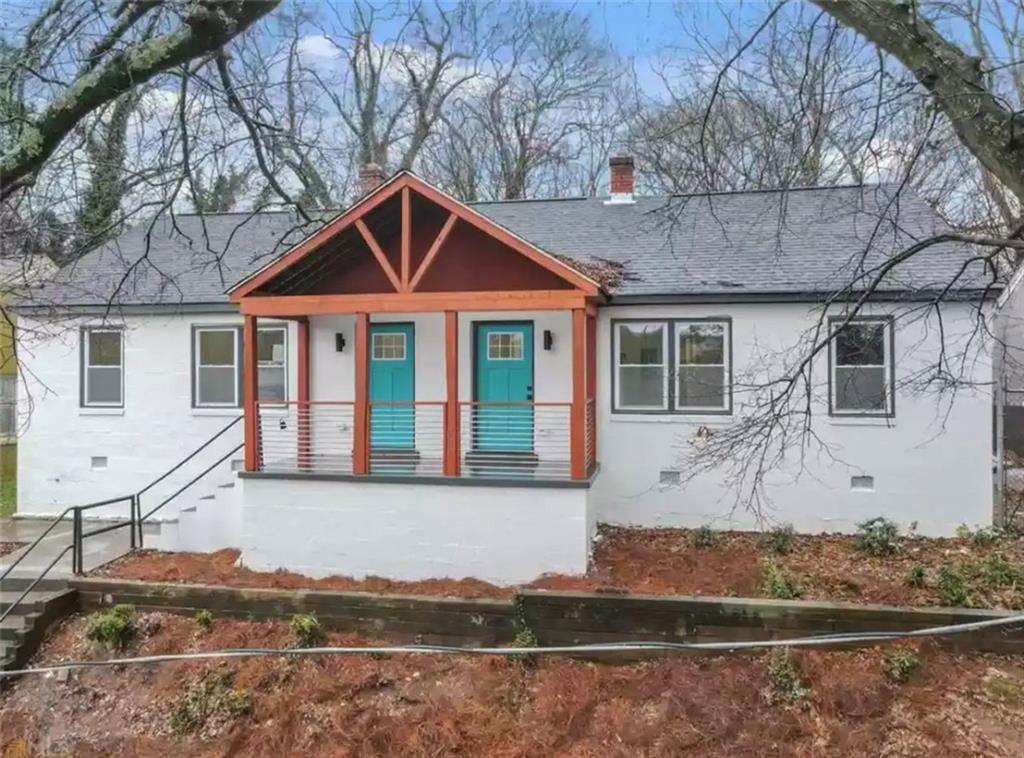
361	430
578	414
592	380
303	393
250	388
452	443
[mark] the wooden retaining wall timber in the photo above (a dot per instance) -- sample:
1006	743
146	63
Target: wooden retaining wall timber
557	618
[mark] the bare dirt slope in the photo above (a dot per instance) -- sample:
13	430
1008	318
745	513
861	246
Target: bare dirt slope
437	706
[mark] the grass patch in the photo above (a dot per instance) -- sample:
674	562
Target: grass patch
8	480
307	630
900	665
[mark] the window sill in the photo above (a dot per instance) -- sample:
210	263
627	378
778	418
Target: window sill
710	419
221	412
888	422
98	411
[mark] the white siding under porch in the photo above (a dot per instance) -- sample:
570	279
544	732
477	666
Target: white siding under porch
413	531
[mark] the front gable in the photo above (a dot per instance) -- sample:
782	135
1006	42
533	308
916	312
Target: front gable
406	237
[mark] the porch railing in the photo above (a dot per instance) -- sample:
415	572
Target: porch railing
494	440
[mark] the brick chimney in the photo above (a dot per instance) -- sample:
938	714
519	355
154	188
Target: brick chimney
371	176
621	169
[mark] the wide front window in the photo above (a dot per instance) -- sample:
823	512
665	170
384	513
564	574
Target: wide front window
102	367
672	366
861	358
273	375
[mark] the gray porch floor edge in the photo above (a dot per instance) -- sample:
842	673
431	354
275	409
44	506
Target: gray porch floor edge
461	481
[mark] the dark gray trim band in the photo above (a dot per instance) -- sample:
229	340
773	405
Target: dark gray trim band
154	309
453	481
913	296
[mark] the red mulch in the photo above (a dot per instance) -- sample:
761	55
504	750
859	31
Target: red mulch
954	705
651	561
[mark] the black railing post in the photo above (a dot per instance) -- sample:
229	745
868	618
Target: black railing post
76	542
131	518
138	521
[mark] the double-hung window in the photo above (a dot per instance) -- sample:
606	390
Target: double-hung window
861	366
217	365
216	375
672	366
102	367
702	369
8	406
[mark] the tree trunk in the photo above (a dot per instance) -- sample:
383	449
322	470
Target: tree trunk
991	131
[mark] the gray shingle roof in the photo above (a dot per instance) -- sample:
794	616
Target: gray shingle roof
764	242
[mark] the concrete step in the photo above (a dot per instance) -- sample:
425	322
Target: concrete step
16	626
18	582
33	601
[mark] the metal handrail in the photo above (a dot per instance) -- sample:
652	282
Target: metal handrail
185	487
35	542
187	458
32	585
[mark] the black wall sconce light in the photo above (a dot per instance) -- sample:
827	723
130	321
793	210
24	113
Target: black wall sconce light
339	342
549	339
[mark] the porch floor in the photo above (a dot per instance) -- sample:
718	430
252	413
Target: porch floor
416	465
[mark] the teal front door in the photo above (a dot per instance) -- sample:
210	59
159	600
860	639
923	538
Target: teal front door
504	387
392	386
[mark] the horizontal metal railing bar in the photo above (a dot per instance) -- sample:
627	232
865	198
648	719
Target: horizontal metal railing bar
35	542
105	529
111	501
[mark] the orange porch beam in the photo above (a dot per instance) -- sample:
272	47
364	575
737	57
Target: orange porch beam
361	425
412	302
406	238
452	443
250	390
378	253
592	376
578	412
435	247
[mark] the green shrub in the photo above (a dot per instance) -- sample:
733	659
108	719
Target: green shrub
781	540
213	699
205	619
783	678
777	583
114	628
878	536
916	576
307	630
996	571
983	537
900	665
705	538
951	586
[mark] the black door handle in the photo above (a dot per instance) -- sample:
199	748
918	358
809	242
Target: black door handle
529	392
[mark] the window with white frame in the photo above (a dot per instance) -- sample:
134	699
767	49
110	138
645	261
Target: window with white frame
8	405
216	374
388	346
272	346
861	364
102	367
641	352
702	366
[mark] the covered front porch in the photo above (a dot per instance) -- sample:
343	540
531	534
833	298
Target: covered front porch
431	343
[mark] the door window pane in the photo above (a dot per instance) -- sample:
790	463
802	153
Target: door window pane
504	346
102	374
388	346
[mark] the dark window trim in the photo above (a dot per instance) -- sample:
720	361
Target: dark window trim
672	366
889	321
82	366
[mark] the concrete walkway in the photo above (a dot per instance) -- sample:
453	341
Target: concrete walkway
97	550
